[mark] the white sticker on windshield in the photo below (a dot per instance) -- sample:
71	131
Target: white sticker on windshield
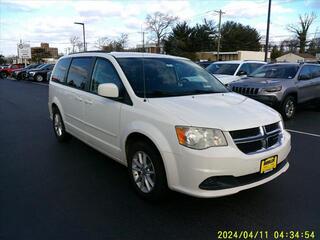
169	65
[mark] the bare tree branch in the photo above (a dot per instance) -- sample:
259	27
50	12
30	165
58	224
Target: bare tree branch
302	29
159	24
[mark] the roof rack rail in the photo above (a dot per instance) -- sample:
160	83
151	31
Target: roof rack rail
93	51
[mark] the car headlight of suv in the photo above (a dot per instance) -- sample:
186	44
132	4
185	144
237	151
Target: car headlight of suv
273	89
200	138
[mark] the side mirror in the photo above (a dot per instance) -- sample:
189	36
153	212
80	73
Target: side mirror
108	90
242	73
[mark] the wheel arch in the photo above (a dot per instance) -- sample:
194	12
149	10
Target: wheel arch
153	135
291	93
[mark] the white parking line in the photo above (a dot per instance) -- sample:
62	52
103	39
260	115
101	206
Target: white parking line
305	133
43	84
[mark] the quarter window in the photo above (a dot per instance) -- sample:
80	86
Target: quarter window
79	72
60	71
104	72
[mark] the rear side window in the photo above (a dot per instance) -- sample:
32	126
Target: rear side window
79	73
60	71
305	73
315	71
104	72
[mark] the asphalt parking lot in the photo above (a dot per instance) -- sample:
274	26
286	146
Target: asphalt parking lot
70	191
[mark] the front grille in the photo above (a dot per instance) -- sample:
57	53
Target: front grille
254	140
245	90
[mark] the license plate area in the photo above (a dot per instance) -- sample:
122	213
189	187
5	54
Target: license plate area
268	164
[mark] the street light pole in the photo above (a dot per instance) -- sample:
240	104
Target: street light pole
267	35
84	35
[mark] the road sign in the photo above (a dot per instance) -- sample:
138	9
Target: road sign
24	50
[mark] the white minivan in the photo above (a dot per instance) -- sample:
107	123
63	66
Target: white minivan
174	125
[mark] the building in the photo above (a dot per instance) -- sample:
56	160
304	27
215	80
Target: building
296	57
149	48
227	56
44	51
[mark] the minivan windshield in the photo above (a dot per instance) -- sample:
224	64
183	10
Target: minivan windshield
285	71
164	77
223	68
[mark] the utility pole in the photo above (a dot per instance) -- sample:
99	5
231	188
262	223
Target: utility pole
219	34
143	50
267	35
143	45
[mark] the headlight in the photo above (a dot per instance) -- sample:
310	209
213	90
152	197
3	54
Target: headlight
273	89
200	138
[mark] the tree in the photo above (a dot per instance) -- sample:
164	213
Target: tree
289	45
2	59
301	30
74	40
79	45
235	36
123	40
118	44
186	41
275	53
314	46
179	41
159	24
101	42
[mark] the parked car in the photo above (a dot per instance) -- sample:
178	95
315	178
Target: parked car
229	71
20	74
4	66
5	72
204	64
282	86
39	74
169	121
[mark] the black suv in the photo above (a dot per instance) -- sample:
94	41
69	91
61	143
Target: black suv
282	85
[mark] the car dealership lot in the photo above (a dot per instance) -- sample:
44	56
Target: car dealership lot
70	191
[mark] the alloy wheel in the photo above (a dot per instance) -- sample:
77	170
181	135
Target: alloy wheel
289	108
58	125
143	172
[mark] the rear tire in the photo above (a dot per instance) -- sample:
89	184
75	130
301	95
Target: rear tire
288	107
58	126
146	171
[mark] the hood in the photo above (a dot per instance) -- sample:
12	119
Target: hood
226	79
225	111
259	82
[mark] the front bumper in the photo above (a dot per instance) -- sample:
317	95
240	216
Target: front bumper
193	167
269	100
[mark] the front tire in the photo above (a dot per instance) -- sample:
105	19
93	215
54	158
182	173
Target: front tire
146	171
58	126
4	75
288	107
38	78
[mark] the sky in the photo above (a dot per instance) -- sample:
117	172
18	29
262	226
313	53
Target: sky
52	21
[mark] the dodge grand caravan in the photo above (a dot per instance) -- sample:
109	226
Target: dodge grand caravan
169	121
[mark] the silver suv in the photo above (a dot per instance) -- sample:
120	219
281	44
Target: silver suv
282	86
